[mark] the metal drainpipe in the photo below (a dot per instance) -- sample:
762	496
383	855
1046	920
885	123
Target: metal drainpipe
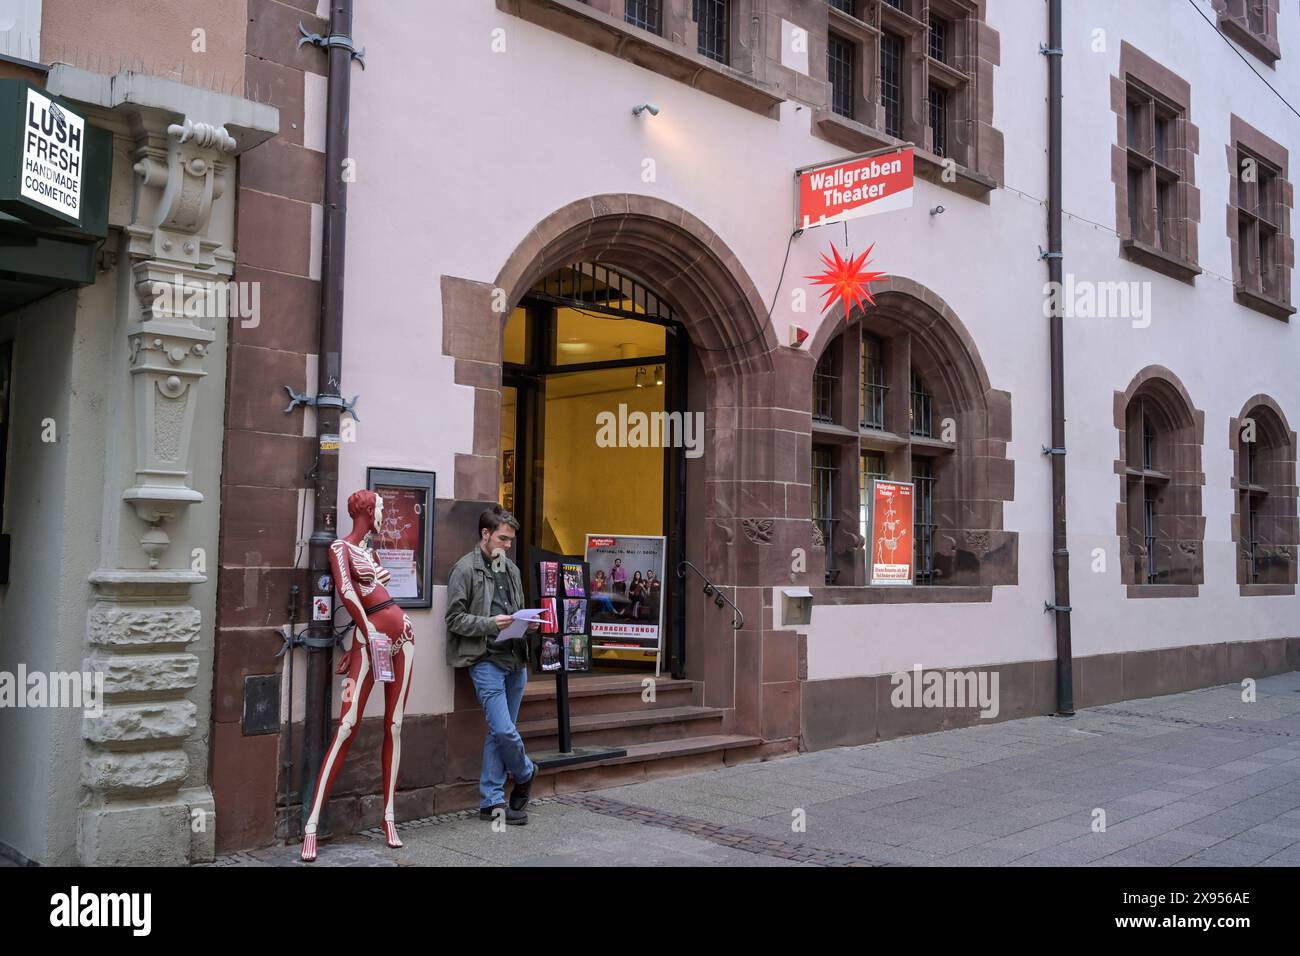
1055	267
329	396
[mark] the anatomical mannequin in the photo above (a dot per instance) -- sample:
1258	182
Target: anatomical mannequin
381	628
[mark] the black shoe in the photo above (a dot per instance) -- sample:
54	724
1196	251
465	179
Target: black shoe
514	818
520	791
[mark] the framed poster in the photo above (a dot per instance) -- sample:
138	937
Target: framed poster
404	542
891	558
627	592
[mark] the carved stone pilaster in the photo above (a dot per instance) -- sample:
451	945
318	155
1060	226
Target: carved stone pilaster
181	171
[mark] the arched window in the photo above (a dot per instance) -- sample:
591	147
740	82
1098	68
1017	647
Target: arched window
900	394
1264	479
1161	525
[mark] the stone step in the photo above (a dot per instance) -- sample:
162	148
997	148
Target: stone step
629	727
605	694
662	758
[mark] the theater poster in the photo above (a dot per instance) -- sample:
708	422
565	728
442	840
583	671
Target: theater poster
627	592
404	540
891	532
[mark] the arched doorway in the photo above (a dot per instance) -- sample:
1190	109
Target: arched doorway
595	431
726	361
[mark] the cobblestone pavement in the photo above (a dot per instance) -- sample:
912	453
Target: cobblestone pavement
1194	779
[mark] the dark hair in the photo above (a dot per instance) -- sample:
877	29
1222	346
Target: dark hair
493	518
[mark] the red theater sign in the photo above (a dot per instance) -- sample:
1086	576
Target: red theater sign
854	188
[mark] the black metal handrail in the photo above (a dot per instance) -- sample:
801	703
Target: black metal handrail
710	589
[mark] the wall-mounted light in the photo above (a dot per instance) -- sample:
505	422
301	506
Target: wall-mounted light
937	210
645	108
659	374
639	379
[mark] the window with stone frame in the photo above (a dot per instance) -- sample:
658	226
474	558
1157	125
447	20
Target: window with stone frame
1259	222
1252	24
894	398
911	71
1264	523
1157	202
1161	526
825	498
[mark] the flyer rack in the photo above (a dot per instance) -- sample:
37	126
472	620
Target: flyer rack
579	579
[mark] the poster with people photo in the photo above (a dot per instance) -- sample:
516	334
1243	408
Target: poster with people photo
627	591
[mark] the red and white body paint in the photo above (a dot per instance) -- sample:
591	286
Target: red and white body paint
359	581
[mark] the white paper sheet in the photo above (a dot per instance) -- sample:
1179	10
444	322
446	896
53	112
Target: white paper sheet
522	618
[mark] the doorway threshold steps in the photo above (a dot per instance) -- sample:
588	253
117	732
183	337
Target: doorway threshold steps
672	734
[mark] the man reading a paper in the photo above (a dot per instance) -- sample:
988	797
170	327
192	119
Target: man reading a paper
483	594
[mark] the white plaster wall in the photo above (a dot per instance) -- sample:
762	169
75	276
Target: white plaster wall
459	154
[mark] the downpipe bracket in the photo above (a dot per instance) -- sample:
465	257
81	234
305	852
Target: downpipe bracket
1046	50
1061	608
334	39
321	401
1044	254
1053	451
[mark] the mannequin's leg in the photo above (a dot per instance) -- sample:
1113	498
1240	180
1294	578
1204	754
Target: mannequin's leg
395	695
356	689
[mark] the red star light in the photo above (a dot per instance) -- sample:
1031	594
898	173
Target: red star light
847	280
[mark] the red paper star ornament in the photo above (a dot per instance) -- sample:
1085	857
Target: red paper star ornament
847	280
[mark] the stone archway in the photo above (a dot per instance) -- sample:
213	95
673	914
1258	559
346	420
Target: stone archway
742	519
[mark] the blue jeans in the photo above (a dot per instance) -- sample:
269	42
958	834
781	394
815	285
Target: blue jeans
500	694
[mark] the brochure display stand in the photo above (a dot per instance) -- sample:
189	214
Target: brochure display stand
561	585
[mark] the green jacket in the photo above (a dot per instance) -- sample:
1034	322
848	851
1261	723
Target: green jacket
470	624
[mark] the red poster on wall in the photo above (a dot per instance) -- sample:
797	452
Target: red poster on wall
891	532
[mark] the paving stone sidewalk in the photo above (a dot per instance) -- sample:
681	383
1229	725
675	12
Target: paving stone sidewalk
1194	779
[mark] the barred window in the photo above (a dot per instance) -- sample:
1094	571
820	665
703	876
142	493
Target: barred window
1161	487
646	14
824	379
923	520
939	39
922	424
939	120
891	83
840	69
712	16
1267	528
825	475
871	399
1156	167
